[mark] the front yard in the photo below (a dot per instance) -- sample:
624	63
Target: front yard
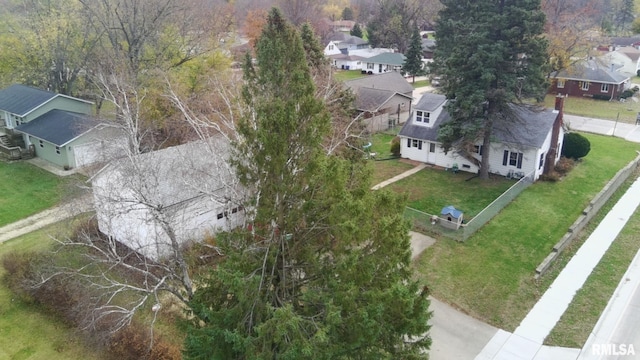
490	276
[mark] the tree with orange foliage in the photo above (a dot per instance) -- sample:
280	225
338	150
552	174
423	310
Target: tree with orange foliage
253	24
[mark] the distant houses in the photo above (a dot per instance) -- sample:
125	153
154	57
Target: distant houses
590	78
57	128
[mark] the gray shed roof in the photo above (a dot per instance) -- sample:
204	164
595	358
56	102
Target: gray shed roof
392	81
178	173
368	99
529	127
591	71
388	59
58	127
20	99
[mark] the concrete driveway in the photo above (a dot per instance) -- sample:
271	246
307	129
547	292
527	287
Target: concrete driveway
455	335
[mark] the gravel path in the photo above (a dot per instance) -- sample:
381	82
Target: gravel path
46	217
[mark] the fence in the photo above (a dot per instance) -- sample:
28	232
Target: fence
587	214
433	224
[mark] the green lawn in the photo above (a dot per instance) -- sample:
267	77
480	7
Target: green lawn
598	109
490	276
27	189
576	324
345	75
27	332
432	189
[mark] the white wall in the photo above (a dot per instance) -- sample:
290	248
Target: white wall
122	216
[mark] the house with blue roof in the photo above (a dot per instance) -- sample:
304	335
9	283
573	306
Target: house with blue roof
526	143
55	127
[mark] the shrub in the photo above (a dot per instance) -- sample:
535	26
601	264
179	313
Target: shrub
133	343
575	146
17	266
395	146
601	97
626	94
552	176
564	165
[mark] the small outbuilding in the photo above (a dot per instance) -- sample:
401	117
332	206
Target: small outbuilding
452	217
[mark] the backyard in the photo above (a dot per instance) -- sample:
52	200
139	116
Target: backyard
28	332
27	189
490	276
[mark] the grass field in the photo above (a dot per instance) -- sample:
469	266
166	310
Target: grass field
490	276
27	332
599	109
27	189
576	324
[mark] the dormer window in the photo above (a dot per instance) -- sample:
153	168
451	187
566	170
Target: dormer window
422	116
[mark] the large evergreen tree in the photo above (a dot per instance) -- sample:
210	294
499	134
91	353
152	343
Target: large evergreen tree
490	54
323	271
413	63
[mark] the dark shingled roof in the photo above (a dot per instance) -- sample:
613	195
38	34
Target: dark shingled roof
529	128
392	81
20	99
58	126
591	71
388	59
371	99
430	102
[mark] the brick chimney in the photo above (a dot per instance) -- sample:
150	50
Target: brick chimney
555	135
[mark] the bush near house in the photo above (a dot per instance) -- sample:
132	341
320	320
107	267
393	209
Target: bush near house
575	146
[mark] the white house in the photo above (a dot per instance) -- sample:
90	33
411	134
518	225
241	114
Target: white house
523	145
384	62
625	60
187	190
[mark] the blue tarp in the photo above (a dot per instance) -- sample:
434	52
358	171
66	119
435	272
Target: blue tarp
450	210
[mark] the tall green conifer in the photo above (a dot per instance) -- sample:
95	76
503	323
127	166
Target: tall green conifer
323	272
490	54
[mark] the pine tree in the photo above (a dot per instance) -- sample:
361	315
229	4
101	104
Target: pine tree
413	62
490	54
323	272
356	30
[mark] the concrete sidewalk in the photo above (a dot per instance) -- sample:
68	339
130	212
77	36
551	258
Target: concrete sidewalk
526	341
47	217
399	177
629	132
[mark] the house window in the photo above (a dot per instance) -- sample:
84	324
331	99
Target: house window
478	149
414	143
422	116
41	143
512	158
560	84
58	150
369	66
541	161
330	47
220	216
432	147
584	85
604	88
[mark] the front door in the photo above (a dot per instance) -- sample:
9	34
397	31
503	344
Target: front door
380	68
